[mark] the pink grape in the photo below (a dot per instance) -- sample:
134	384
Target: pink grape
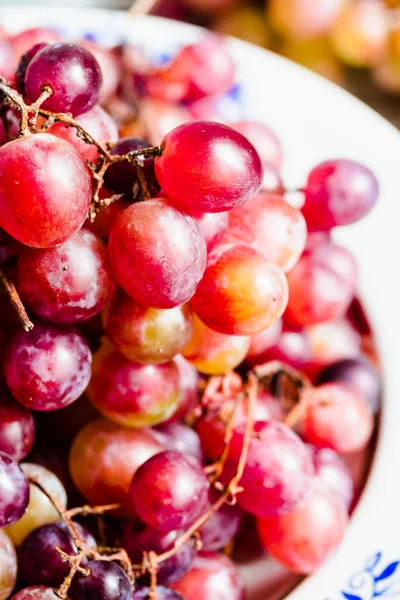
157	253
68	283
241	292
337	418
24	41
262	342
338	192
110	68
213	227
35	592
303	539
48	367
221	169
106	581
162	117
180	437
333	472
335	257
23	65
146	335
278	473
271	226
212	576
9	567
188	388
44	190
292	349
104	456
132	394
14	491
98	123
169	491
221	528
264	141
17	427
136	540
163	593
214	353
73	74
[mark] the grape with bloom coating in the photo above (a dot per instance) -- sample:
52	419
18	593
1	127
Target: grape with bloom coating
104	456
8	562
44	190
188	388
17	426
334	473
302	539
222	527
262	342
14	491
157	253
132	394
40	510
73	74
214	353
106	581
143	334
35	592
213	227
169	491
241	292
180	437
48	367
69	283
163	593
221	168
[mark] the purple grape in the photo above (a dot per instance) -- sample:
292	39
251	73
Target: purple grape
14	491
39	561
121	177
107	581
182	438
136	541
360	375
72	72
36	592
24	63
169	491
48	367
17	426
221	528
163	593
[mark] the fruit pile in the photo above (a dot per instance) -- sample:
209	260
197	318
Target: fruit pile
184	357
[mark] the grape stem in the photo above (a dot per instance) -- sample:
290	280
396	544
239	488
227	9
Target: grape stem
16	301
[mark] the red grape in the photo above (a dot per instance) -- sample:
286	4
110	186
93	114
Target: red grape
271	226
360	375
106	581
23	65
213	227
213	576
208	167
73	74
333	256
104	456
48	367
106	218
338	192
169	491
69	283
302	539
17	427
24	41
214	353
137	540
241	291
39	561
188	388
278	472
110	68
146	335
158	254
98	123
333	472
337	418
264	141
161	117
8	562
133	394
182	438
44	190
14	491
262	342
221	528
163	593
36	592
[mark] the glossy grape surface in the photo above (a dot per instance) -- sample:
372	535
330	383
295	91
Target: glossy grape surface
333	472
106	581
169	491
241	291
14	491
17	426
104	456
44	190
188	388
182	438
73	74
264	141
48	367
69	283
157	253
221	168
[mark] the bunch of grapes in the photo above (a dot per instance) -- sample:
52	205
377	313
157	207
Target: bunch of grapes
186	344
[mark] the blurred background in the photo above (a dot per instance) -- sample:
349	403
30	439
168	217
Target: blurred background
355	43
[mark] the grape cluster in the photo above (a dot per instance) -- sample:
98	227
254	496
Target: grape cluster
196	356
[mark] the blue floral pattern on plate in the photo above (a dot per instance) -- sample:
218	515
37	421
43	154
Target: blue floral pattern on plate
376	580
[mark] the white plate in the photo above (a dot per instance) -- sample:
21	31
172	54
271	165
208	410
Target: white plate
315	120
